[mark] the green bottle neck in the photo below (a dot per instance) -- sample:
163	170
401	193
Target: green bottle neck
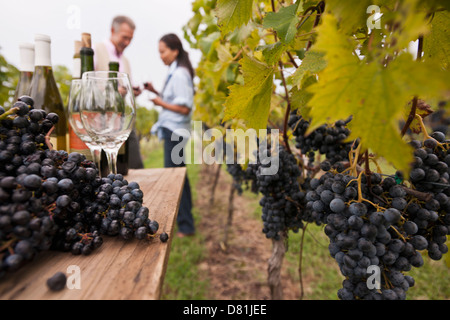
87	60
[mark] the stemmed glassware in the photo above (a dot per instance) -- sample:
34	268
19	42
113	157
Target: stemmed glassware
108	111
73	111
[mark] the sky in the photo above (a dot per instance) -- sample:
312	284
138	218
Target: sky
65	20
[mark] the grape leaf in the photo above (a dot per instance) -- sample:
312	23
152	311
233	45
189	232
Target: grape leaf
313	62
300	97
232	14
436	44
351	14
272	52
251	101
373	94
284	22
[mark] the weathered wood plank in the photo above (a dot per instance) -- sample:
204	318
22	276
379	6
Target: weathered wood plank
119	269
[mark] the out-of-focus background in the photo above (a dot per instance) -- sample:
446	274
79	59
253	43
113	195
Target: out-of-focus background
65	20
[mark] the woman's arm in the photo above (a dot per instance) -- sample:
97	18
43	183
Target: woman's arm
172	107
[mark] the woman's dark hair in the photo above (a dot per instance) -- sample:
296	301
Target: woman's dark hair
174	43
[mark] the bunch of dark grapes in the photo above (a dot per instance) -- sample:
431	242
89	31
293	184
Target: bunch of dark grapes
282	197
327	140
385	226
242	177
439	120
52	200
430	171
430	174
120	211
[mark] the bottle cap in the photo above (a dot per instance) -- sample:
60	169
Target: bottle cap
86	40
26	56
77	46
42	37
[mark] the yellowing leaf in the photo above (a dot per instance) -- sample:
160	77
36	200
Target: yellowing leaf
373	94
351	14
232	14
436	45
251	101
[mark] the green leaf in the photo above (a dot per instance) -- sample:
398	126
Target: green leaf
272	52
232	14
284	22
207	44
300	97
251	101
312	62
373	94
436	45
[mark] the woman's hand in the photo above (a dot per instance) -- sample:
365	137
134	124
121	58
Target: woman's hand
158	101
172	107
149	86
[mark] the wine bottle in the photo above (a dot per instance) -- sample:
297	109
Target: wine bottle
76	72
26	69
45	93
122	155
86	54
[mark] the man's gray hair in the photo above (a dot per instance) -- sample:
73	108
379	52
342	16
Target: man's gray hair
117	22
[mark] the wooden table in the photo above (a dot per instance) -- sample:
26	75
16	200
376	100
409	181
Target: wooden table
119	269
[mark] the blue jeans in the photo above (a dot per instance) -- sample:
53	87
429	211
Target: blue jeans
185	220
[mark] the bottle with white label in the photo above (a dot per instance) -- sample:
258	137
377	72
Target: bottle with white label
26	68
45	93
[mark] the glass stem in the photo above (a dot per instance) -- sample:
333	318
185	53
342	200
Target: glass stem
96	156
111	155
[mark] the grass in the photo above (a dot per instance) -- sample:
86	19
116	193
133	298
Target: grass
184	280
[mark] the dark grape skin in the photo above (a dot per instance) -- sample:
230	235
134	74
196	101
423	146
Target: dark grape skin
164	237
57	282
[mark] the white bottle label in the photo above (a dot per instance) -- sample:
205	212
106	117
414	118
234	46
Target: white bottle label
76	74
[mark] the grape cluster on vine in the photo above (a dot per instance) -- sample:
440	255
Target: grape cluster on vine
373	221
327	140
282	196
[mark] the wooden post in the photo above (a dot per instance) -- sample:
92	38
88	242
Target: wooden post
274	267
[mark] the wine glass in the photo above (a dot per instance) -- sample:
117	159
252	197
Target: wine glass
108	111
73	113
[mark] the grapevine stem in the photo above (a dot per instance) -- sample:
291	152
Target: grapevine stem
398	233
424	130
319	9
288	109
8	113
47	138
410	117
360	197
376	164
353	163
5	245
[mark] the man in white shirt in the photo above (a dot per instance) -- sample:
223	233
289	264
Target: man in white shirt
112	49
